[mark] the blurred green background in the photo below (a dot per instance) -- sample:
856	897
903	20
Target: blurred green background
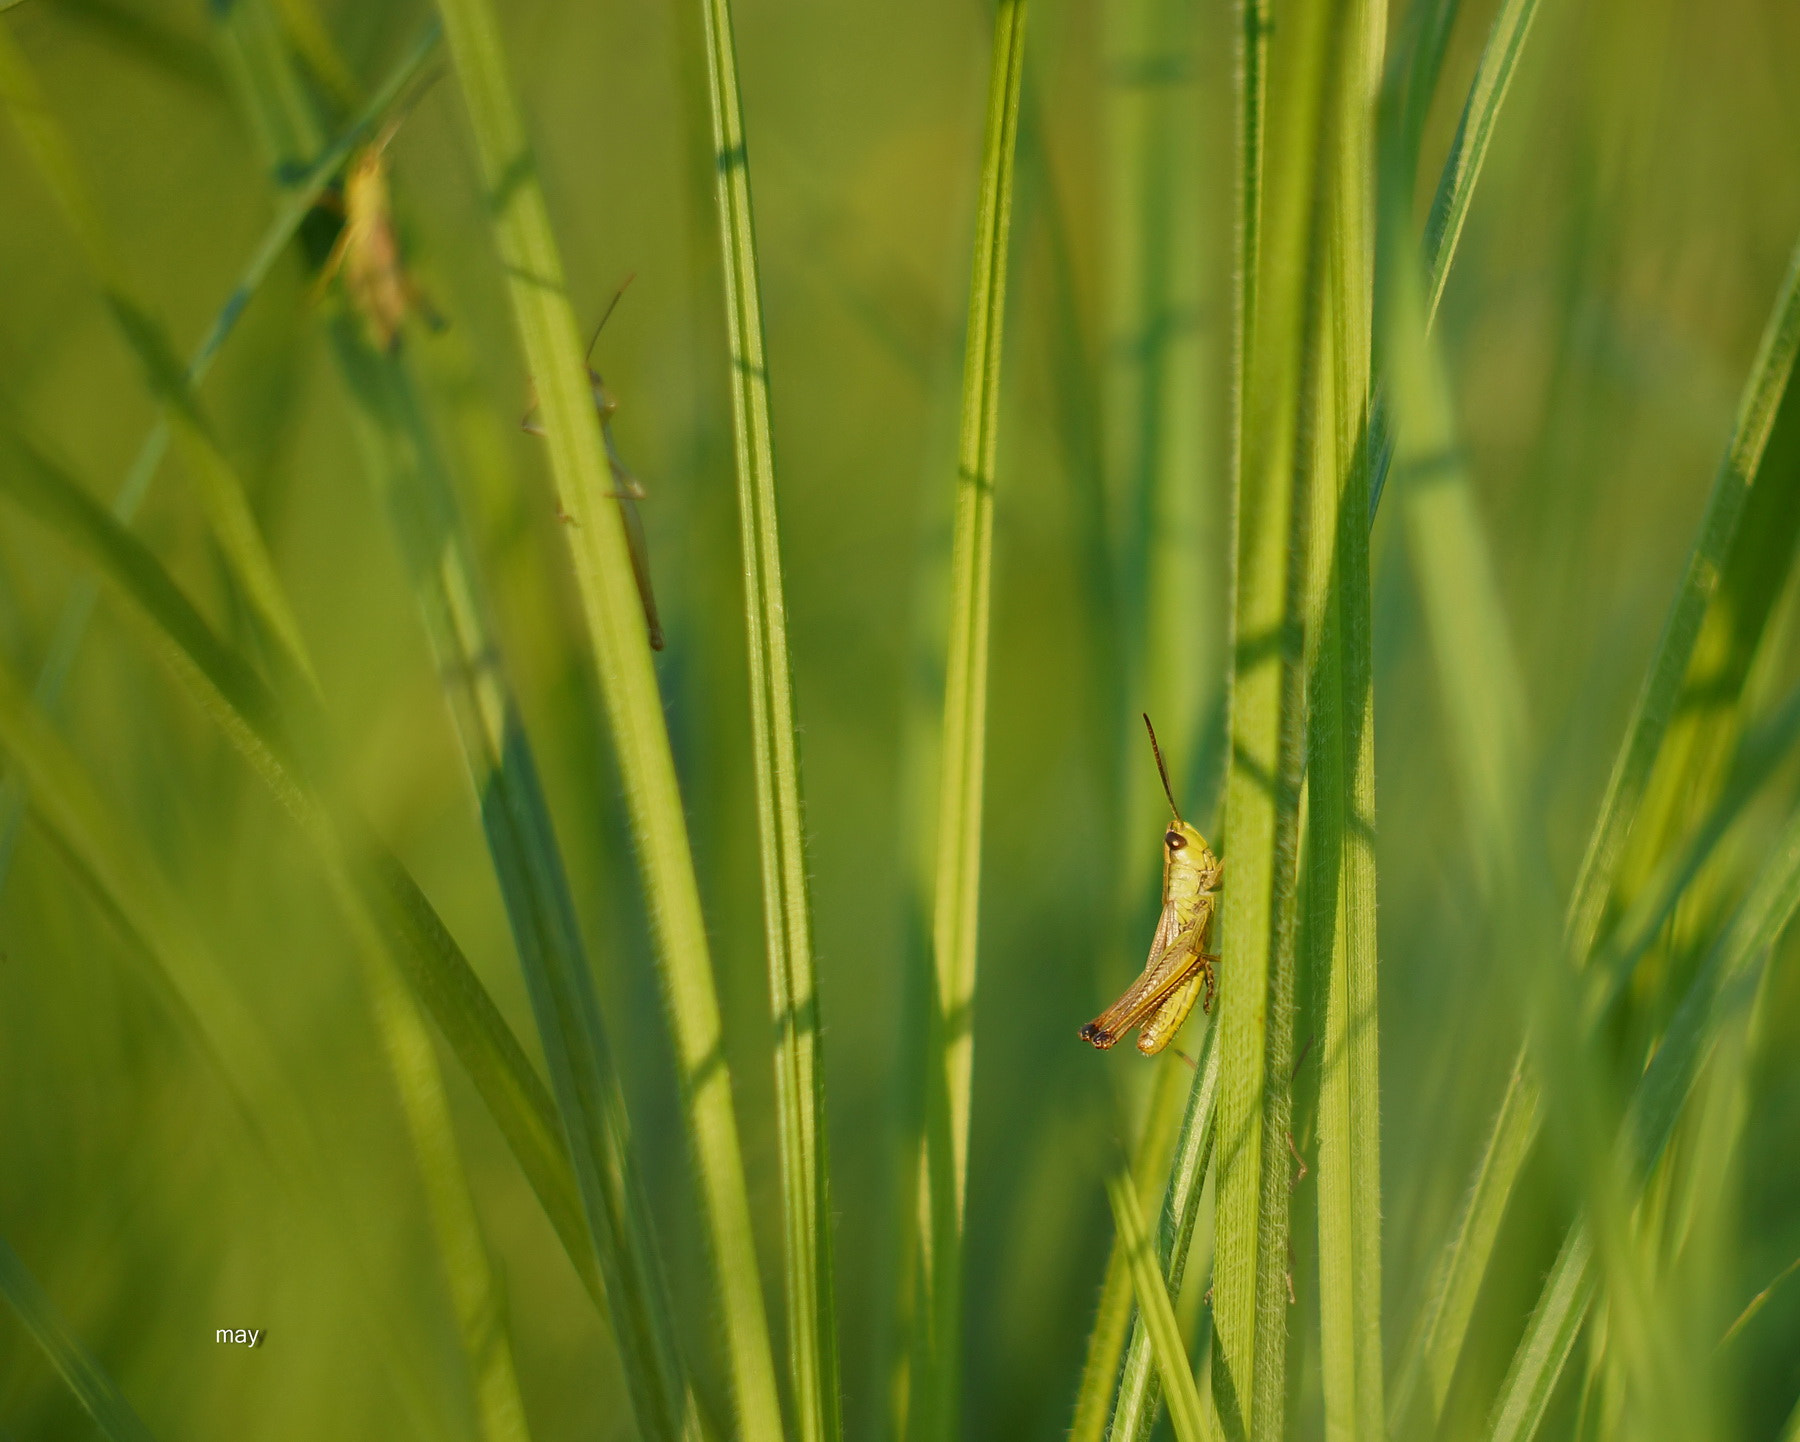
1630	231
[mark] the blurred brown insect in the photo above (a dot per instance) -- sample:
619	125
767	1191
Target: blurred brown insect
627	490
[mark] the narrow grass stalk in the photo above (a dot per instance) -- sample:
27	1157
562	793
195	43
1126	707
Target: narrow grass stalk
957	869
621	656
1721	990
235	698
1340	842
78	1367
521	838
1112	1317
1280	359
1468	152
1191	1421
71	626
1134	1413
787	908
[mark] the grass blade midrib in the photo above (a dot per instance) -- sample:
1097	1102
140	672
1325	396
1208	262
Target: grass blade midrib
957	867
633	704
793	982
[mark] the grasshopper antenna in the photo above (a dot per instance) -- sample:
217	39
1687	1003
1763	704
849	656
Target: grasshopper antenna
1161	770
611	305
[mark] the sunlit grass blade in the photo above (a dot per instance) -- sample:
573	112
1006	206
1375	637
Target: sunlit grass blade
86	1378
1340	843
1437	1340
621	655
1724	986
1186	1411
71	626
1282	364
787	908
404	462
1134	1412
1654	710
957	866
232	694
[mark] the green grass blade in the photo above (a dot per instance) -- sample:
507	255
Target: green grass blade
221	491
1186	1412
1282	367
405	464
1490	758
1722	988
86	1378
1468	152
1112	1317
1134	1414
1340	845
1654	710
621	656
71	626
787	908
957	866
232	694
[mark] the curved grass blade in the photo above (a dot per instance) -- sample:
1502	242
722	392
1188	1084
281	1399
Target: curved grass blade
1186	1412
1724	986
86	1378
230	691
621	656
71	626
221	492
787	908
957	865
1436	1343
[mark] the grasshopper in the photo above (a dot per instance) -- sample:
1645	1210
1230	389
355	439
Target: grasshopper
367	249
1179	968
627	490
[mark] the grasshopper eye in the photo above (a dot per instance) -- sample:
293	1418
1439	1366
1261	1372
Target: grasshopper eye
1174	840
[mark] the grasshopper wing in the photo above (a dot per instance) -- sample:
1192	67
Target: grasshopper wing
1171	966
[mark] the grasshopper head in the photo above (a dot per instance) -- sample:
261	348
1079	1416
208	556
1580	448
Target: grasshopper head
1182	837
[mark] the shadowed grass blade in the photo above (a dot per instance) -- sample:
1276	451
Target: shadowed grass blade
957	867
87	1379
787	908
231	693
621	654
1283	364
405	464
1340	842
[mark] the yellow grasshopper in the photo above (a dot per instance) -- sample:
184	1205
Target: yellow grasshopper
627	490
1180	967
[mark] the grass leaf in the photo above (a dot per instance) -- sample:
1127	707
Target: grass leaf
621	654
787	907
957	869
1186	1411
87	1379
